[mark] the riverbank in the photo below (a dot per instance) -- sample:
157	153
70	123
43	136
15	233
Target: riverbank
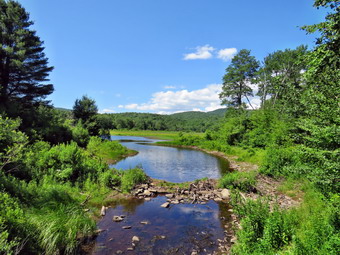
162	135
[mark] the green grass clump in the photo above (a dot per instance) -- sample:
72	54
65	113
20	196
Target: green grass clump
107	150
244	181
60	229
132	177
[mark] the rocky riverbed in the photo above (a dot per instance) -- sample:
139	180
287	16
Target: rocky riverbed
194	218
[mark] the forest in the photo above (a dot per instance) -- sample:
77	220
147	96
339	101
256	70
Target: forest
54	171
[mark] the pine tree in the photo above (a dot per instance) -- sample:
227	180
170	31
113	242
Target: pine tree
237	79
24	67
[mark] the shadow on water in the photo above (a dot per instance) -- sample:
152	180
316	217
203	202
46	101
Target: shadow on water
179	229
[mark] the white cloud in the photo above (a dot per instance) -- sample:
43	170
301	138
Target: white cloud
255	102
169	87
227	53
107	111
202	52
166	102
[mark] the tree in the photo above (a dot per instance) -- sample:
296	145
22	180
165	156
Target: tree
237	79
23	65
85	110
280	77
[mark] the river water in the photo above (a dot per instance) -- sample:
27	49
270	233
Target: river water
169	163
179	229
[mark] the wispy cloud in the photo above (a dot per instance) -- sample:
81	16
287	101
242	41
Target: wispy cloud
227	53
207	51
167	102
169	87
202	52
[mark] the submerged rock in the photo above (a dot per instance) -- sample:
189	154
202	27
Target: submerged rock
165	205
135	239
117	218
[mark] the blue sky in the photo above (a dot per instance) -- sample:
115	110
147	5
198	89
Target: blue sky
156	55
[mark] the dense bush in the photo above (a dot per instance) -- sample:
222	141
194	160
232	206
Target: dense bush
80	134
64	162
132	177
312	228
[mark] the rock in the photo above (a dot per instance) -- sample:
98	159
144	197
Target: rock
117	218
119	252
103	211
147	199
135	239
175	202
230	210
218	199
86	210
225	194
122	216
233	240
165	205
147	193
153	190
144	222
130	249
162	237
126	227
169	195
99	231
138	191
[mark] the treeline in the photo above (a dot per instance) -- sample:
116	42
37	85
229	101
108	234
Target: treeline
53	170
186	121
295	135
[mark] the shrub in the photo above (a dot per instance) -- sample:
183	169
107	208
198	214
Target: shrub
80	134
110	178
132	177
105	149
244	181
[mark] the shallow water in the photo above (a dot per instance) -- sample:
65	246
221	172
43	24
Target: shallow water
179	229
168	163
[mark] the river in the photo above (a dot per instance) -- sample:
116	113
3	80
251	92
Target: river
169	163
179	229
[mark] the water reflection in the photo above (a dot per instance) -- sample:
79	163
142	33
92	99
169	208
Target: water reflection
168	163
179	229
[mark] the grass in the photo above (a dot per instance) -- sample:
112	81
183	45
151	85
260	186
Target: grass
166	135
243	181
292	188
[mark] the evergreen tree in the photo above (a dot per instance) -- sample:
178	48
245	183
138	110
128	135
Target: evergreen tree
237	79
24	67
85	110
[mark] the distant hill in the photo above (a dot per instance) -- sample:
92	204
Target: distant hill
184	121
62	109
